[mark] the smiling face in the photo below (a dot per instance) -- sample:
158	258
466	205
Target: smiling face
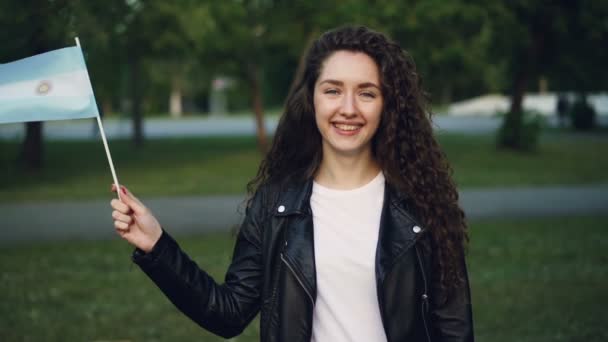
348	103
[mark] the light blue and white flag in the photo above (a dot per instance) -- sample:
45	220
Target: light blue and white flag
50	86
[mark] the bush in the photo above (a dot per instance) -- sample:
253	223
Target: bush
520	132
582	115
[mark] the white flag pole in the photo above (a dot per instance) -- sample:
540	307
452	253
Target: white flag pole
103	136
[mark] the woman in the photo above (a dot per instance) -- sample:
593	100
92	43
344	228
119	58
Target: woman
353	231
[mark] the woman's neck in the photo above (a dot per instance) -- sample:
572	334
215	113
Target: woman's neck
345	172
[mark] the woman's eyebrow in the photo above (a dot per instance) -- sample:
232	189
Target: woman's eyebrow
334	82
361	85
368	85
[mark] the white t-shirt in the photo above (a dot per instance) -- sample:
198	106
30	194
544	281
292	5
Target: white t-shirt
346	226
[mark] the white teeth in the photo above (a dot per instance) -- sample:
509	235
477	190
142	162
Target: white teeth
346	127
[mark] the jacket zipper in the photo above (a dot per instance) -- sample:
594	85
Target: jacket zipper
425	297
274	287
298	279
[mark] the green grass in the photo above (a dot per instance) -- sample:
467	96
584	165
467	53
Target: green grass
162	167
560	159
206	166
531	280
540	280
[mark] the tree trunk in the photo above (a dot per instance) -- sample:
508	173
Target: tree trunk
526	70
257	106
446	94
175	99
519	91
513	124
32	152
543	85
136	99
32	149
106	107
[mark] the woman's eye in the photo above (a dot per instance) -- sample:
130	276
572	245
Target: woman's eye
368	95
332	91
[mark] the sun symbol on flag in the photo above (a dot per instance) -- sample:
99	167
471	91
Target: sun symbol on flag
43	88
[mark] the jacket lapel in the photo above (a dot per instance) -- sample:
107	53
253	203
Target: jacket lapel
294	205
397	232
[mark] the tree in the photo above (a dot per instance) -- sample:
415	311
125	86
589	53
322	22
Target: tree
124	37
245	37
100	29
537	38
32	27
580	53
448	41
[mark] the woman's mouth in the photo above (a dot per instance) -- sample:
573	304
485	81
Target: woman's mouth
347	129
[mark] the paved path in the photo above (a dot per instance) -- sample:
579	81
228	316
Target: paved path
218	126
91	219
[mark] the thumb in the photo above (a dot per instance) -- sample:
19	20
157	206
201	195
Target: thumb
129	199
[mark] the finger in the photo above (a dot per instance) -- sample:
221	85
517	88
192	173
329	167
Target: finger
118	216
130	194
121	225
121	232
120	206
115	190
132	201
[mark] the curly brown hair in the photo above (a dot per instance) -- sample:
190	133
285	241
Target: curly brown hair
403	145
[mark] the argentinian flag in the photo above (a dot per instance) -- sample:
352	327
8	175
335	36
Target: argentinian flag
50	86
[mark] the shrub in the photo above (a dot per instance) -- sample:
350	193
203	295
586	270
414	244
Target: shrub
582	115
520	132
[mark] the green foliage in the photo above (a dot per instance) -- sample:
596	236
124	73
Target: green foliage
31	26
520	130
449	41
557	40
579	55
461	48
582	115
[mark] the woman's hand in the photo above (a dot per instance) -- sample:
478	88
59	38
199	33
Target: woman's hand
134	222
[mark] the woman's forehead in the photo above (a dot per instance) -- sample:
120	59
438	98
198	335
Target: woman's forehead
349	67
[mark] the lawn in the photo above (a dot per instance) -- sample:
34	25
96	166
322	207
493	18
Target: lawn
206	166
532	280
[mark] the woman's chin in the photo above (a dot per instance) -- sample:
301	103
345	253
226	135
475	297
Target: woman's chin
347	149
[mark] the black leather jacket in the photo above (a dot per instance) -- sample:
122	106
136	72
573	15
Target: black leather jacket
273	271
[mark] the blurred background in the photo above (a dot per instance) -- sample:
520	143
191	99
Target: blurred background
190	93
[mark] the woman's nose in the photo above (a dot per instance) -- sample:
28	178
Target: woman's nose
348	106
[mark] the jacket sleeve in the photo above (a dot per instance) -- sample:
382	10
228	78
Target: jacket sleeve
451	316
223	309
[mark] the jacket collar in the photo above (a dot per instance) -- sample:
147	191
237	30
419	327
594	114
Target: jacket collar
294	198
399	230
